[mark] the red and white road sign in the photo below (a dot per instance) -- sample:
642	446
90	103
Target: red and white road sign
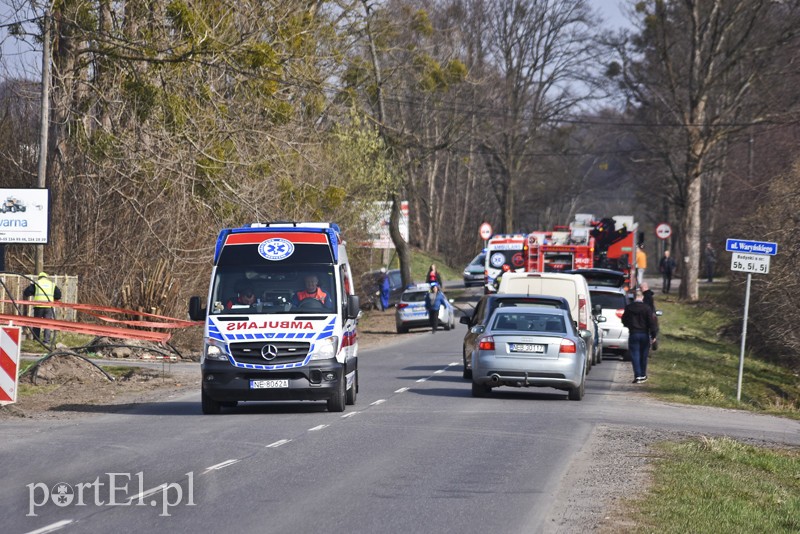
9	363
663	231
485	231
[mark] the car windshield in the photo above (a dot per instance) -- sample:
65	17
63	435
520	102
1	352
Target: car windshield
529	322
478	260
414	296
608	300
274	289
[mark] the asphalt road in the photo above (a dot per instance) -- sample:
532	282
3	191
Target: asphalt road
416	454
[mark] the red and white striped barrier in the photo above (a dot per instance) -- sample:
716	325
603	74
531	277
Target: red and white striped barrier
9	363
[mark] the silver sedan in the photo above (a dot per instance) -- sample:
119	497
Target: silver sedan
529	347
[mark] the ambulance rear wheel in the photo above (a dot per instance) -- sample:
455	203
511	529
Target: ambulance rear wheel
350	398
339	399
209	405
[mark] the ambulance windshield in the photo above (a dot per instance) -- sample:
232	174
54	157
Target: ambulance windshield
274	288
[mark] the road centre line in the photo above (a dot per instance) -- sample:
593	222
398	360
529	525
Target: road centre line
440	371
52	527
377	402
402	390
278	443
422	380
318	427
147	493
220	465
350	414
451	364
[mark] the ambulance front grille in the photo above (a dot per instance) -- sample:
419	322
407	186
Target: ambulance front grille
261	353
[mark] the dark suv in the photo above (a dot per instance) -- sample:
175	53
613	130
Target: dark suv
370	288
489	303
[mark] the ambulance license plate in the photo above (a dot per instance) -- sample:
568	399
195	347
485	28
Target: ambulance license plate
268	384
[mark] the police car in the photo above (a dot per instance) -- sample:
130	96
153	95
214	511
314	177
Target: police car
410	312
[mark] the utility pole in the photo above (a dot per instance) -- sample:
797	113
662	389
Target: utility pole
44	124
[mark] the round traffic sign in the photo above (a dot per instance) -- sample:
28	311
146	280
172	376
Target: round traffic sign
485	231
663	231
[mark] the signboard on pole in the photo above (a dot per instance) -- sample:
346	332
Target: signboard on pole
9	363
486	231
24	216
748	257
376	220
753	247
663	231
750	263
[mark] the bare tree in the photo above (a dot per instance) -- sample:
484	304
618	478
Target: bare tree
698	64
541	51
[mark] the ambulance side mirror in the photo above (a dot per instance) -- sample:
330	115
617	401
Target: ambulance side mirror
352	307
196	311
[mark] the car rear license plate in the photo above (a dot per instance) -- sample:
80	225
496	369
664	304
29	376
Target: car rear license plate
268	384
527	347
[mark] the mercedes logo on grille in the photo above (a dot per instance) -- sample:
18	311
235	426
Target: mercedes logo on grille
269	352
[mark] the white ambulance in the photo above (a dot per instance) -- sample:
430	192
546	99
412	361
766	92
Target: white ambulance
280	323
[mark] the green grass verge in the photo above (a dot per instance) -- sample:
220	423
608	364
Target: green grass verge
721	485
696	364
421	261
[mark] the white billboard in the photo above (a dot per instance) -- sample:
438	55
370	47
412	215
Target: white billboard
24	216
377	224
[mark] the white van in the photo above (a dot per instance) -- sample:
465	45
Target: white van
572	287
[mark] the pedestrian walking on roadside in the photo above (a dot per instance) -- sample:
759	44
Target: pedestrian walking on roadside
641	264
433	301
710	258
667	267
42	291
648	295
433	276
642	326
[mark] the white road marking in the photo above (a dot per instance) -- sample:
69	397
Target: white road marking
402	390
377	402
318	427
350	414
422	380
147	493
278	443
52	528
220	465
451	364
440	371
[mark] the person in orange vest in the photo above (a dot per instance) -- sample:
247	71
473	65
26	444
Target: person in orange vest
312	291
641	265
43	291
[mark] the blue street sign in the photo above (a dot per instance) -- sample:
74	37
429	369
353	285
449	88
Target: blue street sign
751	247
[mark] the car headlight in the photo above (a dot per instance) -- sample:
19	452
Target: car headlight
214	352
325	349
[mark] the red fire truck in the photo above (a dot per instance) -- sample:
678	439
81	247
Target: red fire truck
616	240
562	249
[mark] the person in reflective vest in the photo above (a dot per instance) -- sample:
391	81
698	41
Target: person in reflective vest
42	291
312	291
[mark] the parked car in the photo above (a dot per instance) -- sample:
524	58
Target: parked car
474	271
370	288
612	302
601	277
488	304
410	312
572	287
529	346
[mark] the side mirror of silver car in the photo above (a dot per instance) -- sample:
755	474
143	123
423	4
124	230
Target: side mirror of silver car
480	329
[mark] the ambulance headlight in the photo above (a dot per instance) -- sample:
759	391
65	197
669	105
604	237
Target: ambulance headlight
214	352
325	349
